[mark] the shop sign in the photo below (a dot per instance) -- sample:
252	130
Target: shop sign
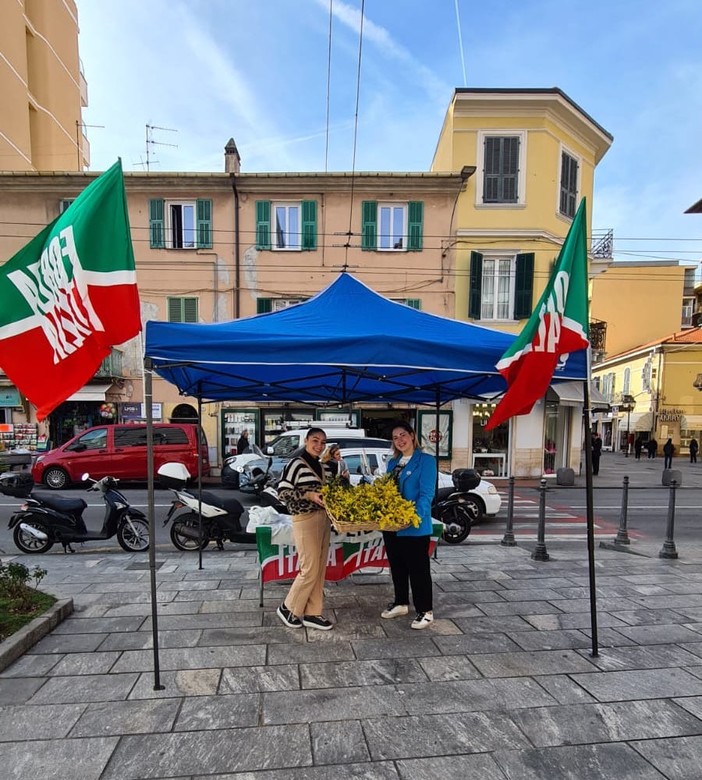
130	411
670	415
9	396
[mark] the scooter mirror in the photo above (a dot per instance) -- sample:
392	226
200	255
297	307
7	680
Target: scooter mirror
85	477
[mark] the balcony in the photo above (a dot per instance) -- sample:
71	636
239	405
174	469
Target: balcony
111	366
598	340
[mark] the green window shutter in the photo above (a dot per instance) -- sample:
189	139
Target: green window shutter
369	226
524	286
189	310
309	224
415	228
156	227
264	305
476	285
204	223
263	224
414	303
182	310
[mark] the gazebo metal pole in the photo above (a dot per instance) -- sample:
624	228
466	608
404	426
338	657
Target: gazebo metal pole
589	502
199	474
150	504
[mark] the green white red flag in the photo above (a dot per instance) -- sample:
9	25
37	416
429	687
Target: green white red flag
557	327
69	295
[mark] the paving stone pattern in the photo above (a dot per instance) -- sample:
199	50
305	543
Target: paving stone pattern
503	685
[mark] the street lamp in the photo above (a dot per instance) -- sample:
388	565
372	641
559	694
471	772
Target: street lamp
627	404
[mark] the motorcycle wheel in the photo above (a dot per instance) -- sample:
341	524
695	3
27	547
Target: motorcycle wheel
457	520
28	543
187	543
133	534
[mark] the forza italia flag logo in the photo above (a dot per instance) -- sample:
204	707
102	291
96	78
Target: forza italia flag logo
557	327
69	295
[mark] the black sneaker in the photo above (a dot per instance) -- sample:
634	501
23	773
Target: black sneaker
317	621
287	617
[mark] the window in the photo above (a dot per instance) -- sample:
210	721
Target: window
413	303
92	440
501	165
265	305
501	287
392	227
64	204
286	227
569	185
182	310
183	224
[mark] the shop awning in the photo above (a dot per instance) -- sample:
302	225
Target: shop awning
90	393
691	422
571	394
9	396
637	421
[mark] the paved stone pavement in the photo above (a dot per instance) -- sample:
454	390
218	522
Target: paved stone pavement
503	685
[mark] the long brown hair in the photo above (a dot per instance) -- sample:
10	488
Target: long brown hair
409	429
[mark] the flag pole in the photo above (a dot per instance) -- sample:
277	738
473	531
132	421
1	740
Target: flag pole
589	502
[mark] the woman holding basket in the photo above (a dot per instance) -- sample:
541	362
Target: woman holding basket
408	549
299	489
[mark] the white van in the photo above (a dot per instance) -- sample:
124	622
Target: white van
284	445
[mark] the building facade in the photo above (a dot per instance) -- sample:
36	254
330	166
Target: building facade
534	152
43	88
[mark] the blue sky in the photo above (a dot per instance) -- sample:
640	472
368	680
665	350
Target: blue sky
256	70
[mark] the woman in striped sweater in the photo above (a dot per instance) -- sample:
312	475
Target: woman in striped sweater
299	489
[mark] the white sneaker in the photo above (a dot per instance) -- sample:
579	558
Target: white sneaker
422	620
394	610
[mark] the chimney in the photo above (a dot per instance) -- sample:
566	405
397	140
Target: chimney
232	161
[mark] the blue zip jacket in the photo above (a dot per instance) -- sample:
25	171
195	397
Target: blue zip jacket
418	484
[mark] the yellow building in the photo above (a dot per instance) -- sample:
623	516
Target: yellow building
658	379
42	86
639	302
534	152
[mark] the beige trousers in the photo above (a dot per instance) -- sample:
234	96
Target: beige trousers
311	535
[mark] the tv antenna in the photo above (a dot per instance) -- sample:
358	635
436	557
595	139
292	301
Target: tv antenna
150	142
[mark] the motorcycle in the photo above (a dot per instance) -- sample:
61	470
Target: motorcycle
455	507
221	517
45	519
253	478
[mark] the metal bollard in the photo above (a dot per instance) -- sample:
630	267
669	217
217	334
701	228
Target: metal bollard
540	553
508	539
622	534
668	550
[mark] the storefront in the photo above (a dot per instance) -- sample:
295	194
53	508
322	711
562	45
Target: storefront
84	409
9	399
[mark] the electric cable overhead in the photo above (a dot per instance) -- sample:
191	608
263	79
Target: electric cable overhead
355	135
329	56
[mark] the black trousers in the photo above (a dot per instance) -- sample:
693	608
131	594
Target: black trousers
408	557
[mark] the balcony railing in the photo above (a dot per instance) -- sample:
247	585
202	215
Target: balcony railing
598	335
603	246
111	366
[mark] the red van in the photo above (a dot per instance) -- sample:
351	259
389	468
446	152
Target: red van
120	451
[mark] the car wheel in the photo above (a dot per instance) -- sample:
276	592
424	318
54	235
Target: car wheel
55	478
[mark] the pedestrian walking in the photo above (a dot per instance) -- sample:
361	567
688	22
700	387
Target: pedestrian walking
299	489
242	445
638	446
668	452
596	453
694	447
652	448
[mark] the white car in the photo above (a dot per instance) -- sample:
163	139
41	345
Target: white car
370	462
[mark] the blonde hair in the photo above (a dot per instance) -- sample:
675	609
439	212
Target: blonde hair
328	454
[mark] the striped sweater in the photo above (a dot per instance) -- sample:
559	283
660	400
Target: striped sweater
299	478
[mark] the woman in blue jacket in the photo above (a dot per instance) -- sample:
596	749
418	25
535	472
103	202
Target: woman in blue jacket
408	549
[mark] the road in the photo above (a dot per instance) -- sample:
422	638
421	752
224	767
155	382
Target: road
565	514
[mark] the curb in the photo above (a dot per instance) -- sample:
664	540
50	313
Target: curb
18	644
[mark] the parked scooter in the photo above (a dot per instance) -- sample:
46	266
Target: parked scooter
45	519
455	507
221	517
